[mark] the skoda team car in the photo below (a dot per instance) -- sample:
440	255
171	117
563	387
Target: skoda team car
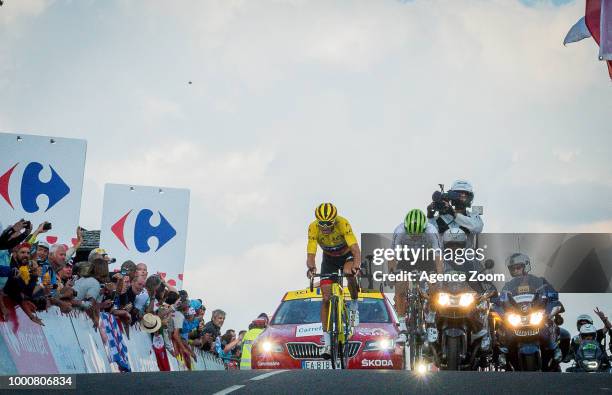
293	338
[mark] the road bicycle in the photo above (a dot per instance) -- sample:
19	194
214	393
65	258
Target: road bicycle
338	322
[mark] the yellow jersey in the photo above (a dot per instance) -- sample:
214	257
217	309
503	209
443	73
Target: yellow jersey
335	243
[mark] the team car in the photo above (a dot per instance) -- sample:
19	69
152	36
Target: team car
292	340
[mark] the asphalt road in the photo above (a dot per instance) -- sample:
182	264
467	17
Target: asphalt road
327	381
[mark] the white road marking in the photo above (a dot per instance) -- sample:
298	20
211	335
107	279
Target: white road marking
229	389
266	375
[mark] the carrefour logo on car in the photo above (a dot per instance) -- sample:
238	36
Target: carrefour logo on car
309	330
366	363
32	187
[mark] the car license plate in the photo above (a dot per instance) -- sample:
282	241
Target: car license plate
316	365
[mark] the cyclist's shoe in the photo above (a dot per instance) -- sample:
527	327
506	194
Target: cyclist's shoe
326	348
402	338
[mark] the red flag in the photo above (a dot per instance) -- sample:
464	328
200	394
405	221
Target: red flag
592	17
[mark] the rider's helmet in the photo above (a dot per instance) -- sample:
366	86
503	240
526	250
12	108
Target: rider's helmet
588	332
415	222
518	259
454	237
326	214
582	320
462	186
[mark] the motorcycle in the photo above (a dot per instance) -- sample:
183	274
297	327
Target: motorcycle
590	358
460	339
522	325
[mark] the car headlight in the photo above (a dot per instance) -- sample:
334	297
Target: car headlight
514	319
466	299
443	299
536	318
379	345
268	346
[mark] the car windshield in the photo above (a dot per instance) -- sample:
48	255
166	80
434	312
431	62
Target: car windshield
308	311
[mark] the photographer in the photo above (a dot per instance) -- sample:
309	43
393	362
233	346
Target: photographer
452	208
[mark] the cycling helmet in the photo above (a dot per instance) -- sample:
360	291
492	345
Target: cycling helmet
462	186
415	222
326	212
518	259
454	236
588	330
582	320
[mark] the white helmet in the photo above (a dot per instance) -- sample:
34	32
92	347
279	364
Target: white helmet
454	235
518	258
462	186
585	319
588	330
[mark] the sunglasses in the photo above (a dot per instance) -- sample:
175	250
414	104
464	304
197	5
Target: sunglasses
326	224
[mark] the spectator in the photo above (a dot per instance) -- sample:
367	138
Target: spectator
178	320
42	253
15	235
21	283
226	345
65	275
190	324
255	328
141	270
212	330
127	301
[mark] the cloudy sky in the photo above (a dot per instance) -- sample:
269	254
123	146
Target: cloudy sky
369	104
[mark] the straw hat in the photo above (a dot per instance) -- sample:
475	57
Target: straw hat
150	323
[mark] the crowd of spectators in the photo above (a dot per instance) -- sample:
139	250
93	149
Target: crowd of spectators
35	275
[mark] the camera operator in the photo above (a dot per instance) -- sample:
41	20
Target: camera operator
452	208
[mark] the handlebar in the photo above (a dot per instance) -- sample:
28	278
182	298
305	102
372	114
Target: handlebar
340	275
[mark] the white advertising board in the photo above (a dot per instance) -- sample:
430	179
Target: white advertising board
146	224
41	179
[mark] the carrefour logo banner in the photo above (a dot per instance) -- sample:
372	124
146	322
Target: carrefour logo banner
146	224
41	179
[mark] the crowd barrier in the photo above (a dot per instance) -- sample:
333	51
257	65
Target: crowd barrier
69	344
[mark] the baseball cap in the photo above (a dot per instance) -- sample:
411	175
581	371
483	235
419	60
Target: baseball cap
43	244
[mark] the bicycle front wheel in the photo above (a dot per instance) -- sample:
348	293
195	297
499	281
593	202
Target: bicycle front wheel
333	334
343	349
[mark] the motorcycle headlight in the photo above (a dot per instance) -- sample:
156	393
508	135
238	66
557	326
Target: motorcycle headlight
514	319
536	318
379	345
443	299
466	299
268	346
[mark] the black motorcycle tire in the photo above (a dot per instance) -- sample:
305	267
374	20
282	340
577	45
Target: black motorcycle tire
453	358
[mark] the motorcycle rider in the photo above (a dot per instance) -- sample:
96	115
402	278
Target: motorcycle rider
455	213
415	232
587	339
519	266
600	334
456	239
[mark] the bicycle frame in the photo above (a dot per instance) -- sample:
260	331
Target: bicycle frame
337	321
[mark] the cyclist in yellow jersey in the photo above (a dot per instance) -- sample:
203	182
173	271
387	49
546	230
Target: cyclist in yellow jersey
340	251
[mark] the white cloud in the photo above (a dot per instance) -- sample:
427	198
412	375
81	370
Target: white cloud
231	184
14	11
248	283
